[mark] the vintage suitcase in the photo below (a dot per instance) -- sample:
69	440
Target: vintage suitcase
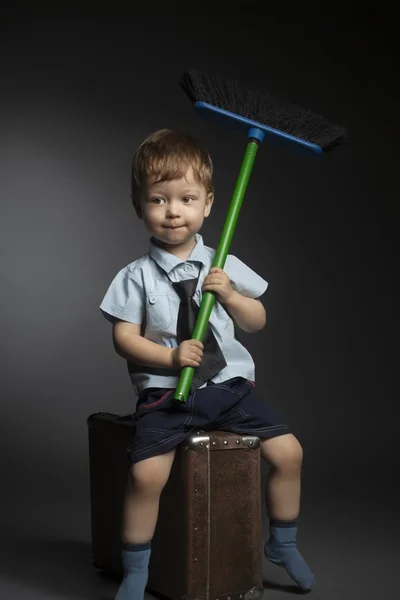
207	544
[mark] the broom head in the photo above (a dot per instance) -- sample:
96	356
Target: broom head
243	107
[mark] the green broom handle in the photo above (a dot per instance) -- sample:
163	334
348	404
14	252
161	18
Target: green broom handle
208	299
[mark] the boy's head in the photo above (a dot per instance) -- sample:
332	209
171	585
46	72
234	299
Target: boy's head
172	188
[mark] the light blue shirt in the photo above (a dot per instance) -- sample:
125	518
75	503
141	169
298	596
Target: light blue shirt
142	293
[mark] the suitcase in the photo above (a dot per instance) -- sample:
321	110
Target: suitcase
207	543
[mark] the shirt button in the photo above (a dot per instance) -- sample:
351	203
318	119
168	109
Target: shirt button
152	300
188	267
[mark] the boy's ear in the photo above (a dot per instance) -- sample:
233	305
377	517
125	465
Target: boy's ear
209	203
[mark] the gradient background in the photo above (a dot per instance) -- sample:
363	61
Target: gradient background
78	95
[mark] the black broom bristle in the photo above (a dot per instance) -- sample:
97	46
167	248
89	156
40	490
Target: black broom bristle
263	108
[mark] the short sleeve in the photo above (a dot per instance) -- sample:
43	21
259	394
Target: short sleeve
124	299
243	279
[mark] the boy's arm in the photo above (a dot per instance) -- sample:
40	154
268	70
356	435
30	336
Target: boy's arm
129	344
248	313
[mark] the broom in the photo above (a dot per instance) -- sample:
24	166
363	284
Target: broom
259	114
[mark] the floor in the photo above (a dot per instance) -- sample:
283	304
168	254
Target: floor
352	554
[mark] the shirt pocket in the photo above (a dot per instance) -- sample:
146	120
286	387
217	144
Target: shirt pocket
158	311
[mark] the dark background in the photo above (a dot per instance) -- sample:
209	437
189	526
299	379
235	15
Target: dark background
78	94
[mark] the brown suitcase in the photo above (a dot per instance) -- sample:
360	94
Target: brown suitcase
207	544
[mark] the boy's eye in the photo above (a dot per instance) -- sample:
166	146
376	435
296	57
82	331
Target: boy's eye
186	200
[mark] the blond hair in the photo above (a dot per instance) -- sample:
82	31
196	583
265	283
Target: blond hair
166	155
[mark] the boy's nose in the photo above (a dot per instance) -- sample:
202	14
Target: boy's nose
173	209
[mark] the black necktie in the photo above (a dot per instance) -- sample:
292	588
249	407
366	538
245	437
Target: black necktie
213	360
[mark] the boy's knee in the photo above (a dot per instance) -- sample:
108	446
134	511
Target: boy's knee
283	452
295	452
150	475
292	454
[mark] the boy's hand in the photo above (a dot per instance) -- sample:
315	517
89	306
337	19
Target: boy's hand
188	354
218	281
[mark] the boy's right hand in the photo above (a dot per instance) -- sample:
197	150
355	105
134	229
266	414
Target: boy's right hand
188	354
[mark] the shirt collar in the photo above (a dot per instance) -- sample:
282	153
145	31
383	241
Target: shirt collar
168	261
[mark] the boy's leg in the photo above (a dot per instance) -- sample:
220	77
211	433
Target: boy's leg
146	480
284	456
245	413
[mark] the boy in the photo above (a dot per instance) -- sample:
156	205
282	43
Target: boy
172	193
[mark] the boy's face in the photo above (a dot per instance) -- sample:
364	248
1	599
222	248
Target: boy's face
174	211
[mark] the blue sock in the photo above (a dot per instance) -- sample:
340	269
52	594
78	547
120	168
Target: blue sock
281	550
135	561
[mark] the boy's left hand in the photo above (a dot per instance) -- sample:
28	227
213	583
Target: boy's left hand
218	281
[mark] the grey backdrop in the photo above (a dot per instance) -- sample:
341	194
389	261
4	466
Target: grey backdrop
78	96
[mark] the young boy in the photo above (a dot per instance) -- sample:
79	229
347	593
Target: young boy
172	193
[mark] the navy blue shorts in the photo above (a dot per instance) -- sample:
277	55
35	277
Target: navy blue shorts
161	424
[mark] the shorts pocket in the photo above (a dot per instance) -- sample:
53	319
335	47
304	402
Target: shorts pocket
154	399
242	386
